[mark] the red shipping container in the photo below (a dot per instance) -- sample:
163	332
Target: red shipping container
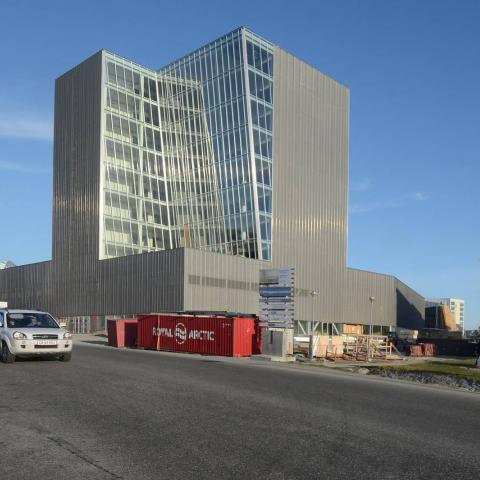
257	339
122	333
430	349
227	336
416	351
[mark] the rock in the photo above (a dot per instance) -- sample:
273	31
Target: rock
363	371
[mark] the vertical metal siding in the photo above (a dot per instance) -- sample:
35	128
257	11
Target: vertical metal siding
75	282
77	130
410	306
395	303
310	168
359	287
214	281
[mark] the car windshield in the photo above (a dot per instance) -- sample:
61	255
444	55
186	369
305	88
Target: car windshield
30	320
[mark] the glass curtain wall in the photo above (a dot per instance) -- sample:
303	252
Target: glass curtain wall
221	71
135	204
260	80
188	151
193	192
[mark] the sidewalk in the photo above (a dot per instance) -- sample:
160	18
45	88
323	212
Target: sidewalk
90	338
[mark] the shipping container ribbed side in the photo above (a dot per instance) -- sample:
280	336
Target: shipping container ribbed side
122	333
206	335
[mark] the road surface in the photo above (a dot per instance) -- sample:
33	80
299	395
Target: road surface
145	415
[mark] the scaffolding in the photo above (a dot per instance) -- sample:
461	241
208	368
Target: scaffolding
367	347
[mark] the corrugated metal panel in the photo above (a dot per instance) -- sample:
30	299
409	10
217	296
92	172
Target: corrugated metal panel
395	303
310	179
310	169
77	142
126	285
359	287
28	286
221	282
410	307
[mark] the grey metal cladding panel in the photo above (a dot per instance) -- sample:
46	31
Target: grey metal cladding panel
127	285
310	178
142	283
133	284
77	161
214	281
28	286
410	306
359	287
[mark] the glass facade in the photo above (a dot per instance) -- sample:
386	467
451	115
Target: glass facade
188	151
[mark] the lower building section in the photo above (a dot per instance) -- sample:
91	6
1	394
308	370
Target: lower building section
88	293
377	299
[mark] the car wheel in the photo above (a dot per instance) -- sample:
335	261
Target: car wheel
66	357
7	355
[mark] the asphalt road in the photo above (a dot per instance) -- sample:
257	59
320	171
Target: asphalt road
144	415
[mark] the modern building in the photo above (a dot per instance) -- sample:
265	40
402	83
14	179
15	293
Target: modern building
456	306
173	187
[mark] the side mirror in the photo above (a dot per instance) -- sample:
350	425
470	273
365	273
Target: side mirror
63	324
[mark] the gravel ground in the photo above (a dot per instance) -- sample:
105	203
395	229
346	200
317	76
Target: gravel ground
430	378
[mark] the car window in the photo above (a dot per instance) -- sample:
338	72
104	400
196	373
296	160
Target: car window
30	320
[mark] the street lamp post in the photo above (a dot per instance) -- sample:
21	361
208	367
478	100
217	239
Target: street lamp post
370	330
313	293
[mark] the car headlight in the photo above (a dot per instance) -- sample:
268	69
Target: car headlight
19	336
67	335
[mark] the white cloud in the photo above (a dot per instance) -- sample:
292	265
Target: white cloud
420	196
396	202
361	185
20	168
26	127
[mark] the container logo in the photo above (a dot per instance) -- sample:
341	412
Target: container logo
180	333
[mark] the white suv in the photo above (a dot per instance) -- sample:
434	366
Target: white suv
26	333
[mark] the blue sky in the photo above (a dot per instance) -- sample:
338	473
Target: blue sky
414	73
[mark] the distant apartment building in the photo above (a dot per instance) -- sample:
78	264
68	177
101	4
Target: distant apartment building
456	306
